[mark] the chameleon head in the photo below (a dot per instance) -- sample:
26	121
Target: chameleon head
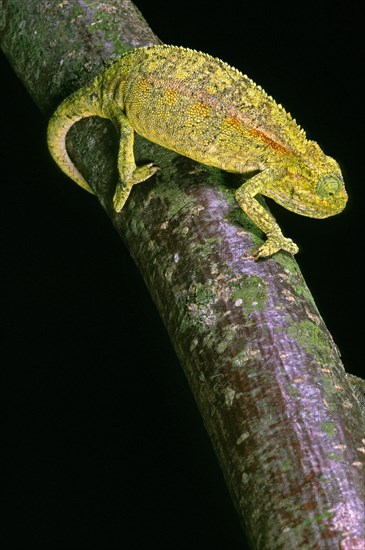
313	188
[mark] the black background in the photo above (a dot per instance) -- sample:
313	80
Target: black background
107	448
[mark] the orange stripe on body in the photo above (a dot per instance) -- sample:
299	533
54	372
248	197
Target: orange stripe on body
240	126
270	142
234	122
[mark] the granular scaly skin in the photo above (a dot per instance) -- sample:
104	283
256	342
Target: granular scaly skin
202	108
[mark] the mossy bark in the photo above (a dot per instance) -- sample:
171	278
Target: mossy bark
286	426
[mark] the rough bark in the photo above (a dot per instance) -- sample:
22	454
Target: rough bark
287	428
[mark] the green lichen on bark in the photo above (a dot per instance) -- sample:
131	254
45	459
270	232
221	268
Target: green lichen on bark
251	294
310	337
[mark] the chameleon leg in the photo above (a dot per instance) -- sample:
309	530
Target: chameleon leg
129	173
245	196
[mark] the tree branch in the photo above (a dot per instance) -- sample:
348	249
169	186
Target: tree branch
266	375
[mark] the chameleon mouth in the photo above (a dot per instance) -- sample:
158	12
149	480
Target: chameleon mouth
313	206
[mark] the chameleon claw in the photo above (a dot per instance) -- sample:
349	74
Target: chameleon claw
273	245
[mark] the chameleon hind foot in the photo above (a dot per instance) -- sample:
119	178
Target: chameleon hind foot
123	189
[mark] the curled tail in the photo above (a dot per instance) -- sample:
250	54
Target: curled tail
72	109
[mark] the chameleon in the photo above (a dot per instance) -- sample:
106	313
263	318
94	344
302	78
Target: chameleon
202	108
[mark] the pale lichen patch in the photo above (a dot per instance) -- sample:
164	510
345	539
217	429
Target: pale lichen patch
242	438
194	344
229	395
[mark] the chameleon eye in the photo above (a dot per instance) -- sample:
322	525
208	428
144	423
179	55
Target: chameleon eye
328	186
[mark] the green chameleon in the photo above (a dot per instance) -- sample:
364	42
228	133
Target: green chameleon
200	107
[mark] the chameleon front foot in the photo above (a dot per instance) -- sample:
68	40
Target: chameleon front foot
123	189
273	244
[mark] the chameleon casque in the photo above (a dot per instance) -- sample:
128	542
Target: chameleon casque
200	107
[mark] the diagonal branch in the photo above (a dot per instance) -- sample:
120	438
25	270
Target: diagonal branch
265	373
